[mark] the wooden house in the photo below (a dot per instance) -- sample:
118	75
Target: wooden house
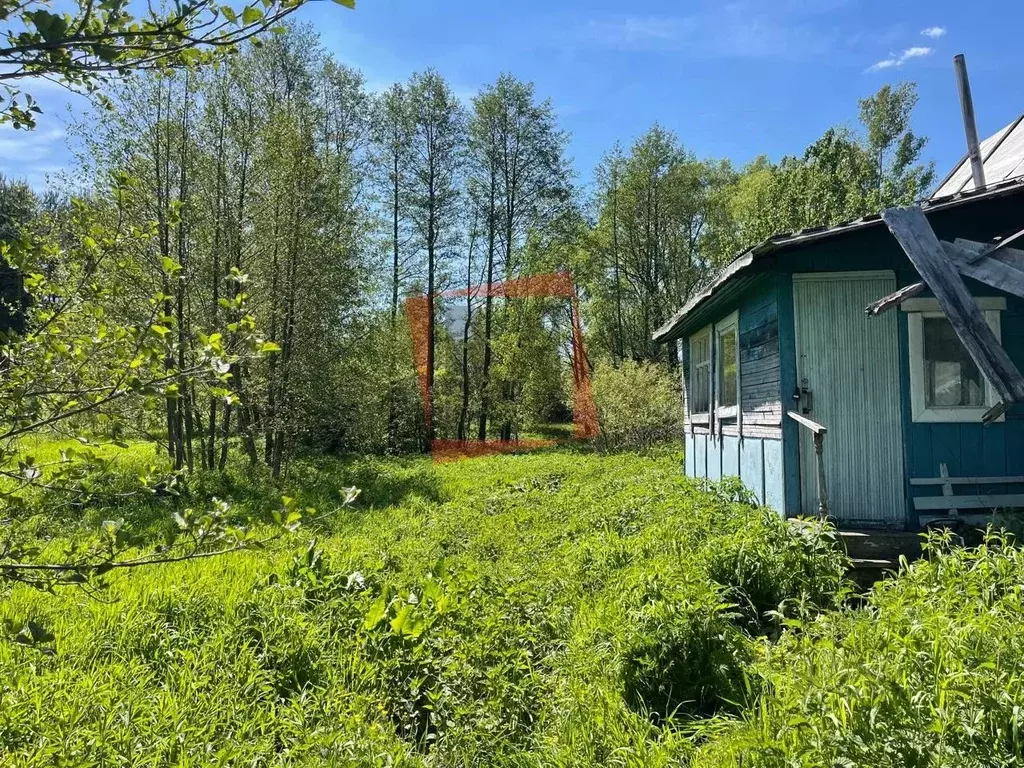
780	348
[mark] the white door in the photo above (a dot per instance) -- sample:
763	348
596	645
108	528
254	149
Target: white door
848	362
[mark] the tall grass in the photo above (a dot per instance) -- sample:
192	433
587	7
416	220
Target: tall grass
556	609
929	673
553	609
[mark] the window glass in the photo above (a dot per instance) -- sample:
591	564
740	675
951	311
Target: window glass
700	376
951	377
727	395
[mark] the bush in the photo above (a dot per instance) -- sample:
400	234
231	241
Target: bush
929	673
638	405
686	659
780	569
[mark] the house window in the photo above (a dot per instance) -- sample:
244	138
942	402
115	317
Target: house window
727	368
700	376
945	382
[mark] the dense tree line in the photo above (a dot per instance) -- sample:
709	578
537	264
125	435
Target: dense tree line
665	220
276	180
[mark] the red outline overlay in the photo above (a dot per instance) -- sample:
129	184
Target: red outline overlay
584	413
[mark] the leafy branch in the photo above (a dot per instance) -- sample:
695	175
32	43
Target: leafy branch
204	534
97	38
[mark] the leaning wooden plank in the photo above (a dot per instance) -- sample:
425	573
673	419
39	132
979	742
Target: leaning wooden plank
911	229
969	502
977	252
1012	256
895	299
987	270
1009	480
814	426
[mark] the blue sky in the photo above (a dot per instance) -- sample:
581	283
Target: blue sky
732	79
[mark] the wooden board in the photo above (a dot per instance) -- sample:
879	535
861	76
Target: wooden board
967	480
987	270
970	502
913	232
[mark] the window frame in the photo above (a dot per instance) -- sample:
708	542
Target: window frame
726	412
702	418
917	310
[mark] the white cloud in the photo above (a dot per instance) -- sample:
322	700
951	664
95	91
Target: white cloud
740	29
634	31
915	52
883	64
933	32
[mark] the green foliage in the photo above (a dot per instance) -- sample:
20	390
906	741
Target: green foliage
516	610
687	658
91	41
663	227
638	405
927	673
841	176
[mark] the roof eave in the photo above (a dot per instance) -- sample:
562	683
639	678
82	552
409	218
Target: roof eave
745	261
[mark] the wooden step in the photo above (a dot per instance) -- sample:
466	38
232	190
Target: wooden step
881	545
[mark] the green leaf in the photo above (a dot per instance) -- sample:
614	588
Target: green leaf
251	15
346	3
269	346
162	330
229	13
376	613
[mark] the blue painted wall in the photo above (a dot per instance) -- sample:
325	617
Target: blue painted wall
968	450
752	452
756	461
769	466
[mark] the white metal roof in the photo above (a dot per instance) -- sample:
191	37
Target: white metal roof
1002	154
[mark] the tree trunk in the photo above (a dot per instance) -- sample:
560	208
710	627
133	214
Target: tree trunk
464	410
488	307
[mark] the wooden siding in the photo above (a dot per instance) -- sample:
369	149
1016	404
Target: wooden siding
760	393
751	450
970	449
756	461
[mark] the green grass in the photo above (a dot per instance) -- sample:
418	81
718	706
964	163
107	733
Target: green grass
553	609
546	609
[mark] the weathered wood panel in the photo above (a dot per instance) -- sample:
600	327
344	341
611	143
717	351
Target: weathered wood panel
760	369
752	467
757	461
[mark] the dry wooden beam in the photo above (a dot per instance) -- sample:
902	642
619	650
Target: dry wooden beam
895	299
1012	256
987	270
999	263
913	232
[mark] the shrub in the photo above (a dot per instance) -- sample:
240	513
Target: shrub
686	658
638	405
779	569
929	673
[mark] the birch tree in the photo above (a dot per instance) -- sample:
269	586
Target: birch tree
438	149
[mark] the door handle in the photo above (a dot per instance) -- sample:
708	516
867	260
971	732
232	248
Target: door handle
804	397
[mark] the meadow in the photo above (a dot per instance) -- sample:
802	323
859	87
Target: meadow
561	608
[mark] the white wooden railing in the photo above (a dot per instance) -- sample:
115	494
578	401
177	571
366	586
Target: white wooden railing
818	433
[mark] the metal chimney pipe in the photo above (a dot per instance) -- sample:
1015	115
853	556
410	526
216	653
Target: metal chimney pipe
970	127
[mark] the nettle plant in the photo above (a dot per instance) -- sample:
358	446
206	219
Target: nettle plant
70	366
